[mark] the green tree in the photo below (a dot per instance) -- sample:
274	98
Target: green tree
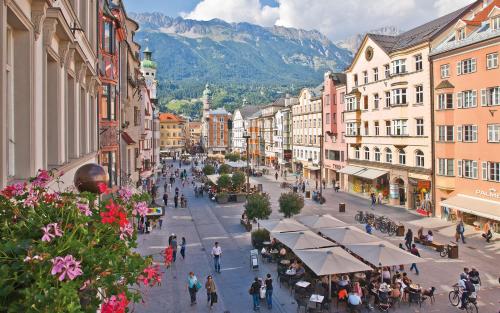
238	180
258	206
208	169
233	157
224	169
224	181
291	203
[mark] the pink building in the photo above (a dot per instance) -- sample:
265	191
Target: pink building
334	147
466	82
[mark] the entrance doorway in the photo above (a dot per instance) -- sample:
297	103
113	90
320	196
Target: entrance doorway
401	188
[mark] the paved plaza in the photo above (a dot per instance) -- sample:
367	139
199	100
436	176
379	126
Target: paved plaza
203	222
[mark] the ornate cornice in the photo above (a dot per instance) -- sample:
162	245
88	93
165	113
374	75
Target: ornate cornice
49	29
66	52
81	72
38	14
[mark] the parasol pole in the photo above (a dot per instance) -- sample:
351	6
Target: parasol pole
381	271
329	287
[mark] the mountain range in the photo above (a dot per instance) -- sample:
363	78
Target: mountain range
352	43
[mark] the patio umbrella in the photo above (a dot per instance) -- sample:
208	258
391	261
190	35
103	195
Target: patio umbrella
320	221
302	240
282	225
348	235
237	164
383	253
329	261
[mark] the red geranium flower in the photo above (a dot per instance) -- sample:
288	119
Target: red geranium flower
115	304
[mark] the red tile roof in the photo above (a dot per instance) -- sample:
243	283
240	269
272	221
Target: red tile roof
169	117
482	15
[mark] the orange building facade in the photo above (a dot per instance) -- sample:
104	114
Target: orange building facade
219	130
466	87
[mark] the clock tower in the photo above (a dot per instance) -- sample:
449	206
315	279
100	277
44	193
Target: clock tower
148	69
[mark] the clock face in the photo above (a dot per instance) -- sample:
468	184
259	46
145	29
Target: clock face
369	53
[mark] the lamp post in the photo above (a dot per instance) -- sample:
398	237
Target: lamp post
247	137
320	168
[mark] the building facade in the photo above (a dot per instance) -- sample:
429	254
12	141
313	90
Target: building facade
267	131
219	129
254	140
388	116
334	146
172	134
48	88
467	120
240	127
283	135
307	131
194	133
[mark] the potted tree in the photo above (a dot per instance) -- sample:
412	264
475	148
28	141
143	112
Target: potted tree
223	184
258	237
208	169
238	181
224	169
258	206
291	203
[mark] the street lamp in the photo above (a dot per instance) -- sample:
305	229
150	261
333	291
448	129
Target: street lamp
247	137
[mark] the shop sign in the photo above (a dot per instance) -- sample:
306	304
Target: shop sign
155	211
424	184
491	193
394	191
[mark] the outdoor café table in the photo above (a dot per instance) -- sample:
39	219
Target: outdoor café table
303	284
316	299
266	243
285	262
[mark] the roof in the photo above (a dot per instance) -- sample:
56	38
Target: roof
444	85
338	78
169	117
126	137
248	110
418	34
484	14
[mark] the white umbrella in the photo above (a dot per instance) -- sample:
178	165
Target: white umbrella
383	253
348	235
302	240
282	225
320	221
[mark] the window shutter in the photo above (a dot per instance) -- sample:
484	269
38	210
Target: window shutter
474	98
459	68
474	133
459	100
459	168
484	168
473	65
459	133
474	169
484	98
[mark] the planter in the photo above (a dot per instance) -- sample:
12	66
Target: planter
222	199
241	197
248	227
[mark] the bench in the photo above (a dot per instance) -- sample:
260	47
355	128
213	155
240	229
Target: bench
436	245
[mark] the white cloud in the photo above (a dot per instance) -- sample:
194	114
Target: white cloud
336	19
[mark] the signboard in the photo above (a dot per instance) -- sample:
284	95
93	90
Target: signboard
287	154
492	193
424	184
155	211
394	191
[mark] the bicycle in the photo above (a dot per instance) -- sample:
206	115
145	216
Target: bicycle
456	295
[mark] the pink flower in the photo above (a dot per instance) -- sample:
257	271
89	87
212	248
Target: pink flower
47	236
150	276
57	230
31	200
67	267
126	231
17	189
125	193
84	209
140	208
41	179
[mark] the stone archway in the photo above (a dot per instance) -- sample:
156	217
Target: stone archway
400	183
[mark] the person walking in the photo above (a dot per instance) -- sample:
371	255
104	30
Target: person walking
373	199
176	201
217	253
255	293
408	239
269	291
165	187
193	286
415	252
165	199
160	222
276	175
174	248
211	291
460	231
183	248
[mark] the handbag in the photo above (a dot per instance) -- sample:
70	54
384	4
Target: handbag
197	286
214	297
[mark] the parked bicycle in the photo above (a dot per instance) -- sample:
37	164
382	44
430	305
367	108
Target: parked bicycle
456	294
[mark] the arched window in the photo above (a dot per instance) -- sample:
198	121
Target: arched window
356	153
377	154
419	158
388	155
402	157
367	153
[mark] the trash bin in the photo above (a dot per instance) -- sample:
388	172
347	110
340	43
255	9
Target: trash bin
453	251
308	194
342	207
259	187
401	231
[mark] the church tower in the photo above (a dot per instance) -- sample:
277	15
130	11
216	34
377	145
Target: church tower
207	101
148	69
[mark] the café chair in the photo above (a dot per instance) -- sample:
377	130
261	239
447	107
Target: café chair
429	296
301	303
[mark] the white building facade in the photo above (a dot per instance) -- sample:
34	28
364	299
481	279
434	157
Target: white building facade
240	127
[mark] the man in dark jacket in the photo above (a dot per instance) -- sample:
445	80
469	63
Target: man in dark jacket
165	199
255	292
415	252
408	239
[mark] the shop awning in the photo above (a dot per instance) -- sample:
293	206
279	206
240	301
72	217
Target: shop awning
126	137
313	168
370	173
472	205
351	170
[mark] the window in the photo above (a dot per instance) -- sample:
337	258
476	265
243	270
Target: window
399	96
365	102
327	99
387	71
108	38
491	171
356	153
377	129
400	127
356	80
109	164
490	96
367	153
419	94
469	169
445	101
365	129
387	128
445	133
365	77
377	154
494	133
466	66
461	34
402	157
342	96
375	74
327	121
399	66
445	167
387	99
388	155
419	122
376	101
467	99
419	158
108	99
352	104
445	71
351	129
418	62
495	23
491	61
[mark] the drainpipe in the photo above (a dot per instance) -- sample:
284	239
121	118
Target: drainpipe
433	144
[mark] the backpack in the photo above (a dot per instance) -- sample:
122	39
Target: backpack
250	291
469	286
